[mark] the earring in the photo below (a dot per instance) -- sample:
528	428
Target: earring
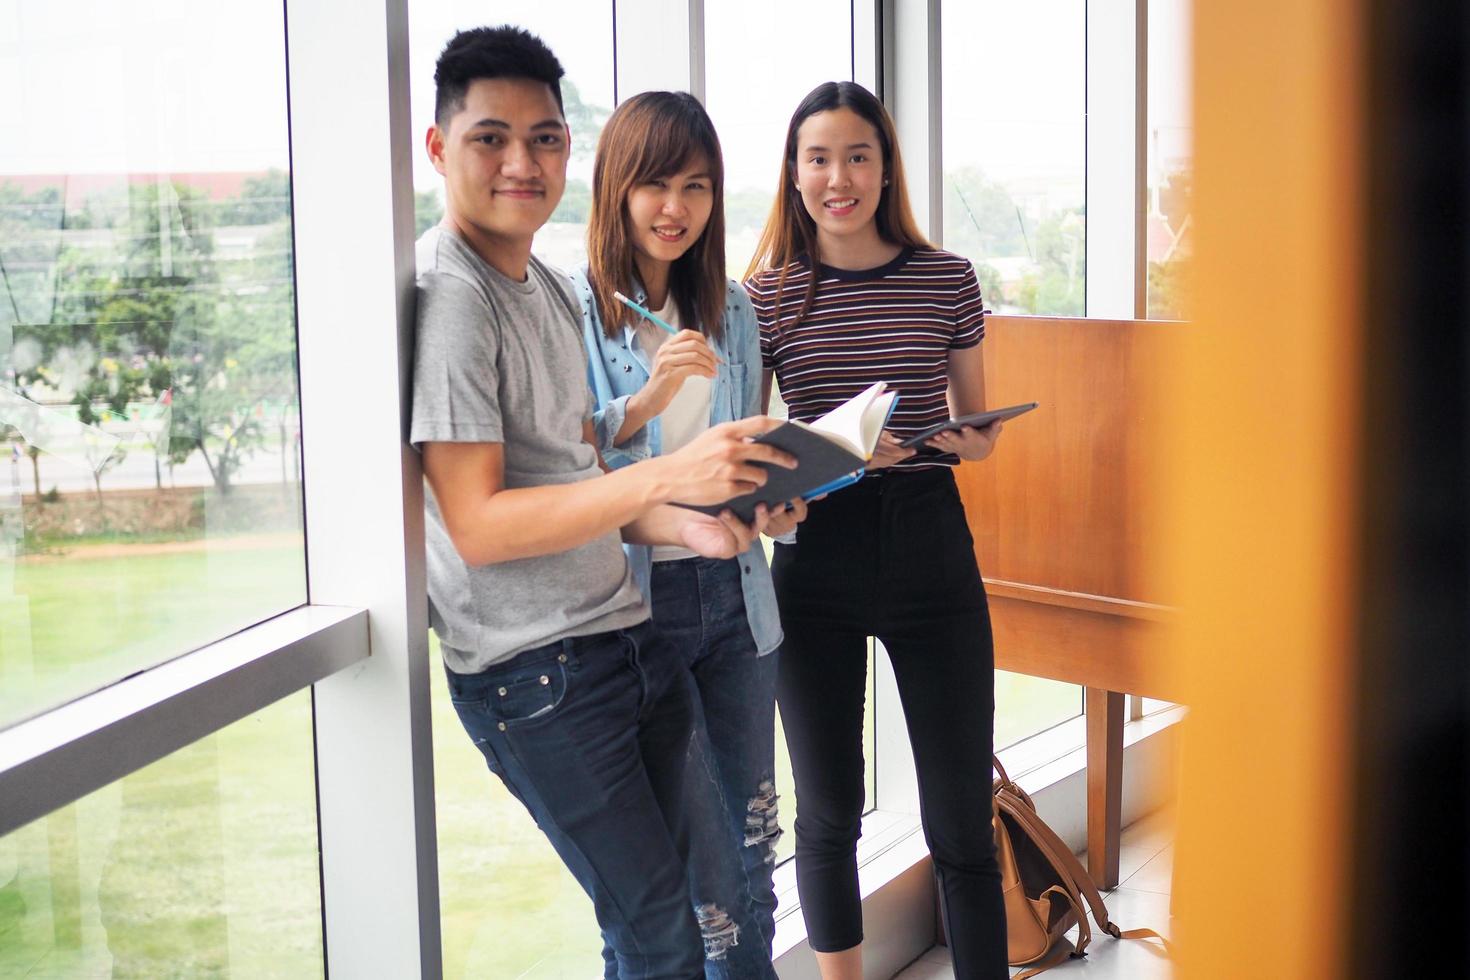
885	181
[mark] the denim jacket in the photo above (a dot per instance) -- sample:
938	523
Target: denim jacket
616	369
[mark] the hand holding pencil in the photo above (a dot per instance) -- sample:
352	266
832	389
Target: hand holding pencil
686	354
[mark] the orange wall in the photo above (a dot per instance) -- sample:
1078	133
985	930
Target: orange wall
1259	489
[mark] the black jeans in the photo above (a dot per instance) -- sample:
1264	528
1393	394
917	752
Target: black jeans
891	557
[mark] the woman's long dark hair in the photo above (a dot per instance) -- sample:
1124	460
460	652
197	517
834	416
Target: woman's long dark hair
790	233
652	135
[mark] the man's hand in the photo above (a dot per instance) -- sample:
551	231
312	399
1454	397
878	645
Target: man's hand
719	463
724	536
887	452
968	442
785	519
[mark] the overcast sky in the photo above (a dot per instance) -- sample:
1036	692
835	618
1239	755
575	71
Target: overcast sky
98	86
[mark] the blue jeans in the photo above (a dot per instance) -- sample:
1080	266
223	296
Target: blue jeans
730	803
593	735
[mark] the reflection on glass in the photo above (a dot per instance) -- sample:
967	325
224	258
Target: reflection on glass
1170	161
203	864
1015	174
754	77
150	490
508	906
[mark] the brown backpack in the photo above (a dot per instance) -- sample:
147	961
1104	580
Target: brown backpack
1044	886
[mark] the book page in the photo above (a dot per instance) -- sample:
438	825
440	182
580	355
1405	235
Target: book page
857	422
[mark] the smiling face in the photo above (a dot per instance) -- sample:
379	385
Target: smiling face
504	160
666	215
840	173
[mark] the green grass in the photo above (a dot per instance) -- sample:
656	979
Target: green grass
71	624
205	863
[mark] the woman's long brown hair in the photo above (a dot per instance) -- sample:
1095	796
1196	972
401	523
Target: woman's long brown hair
653	135
791	233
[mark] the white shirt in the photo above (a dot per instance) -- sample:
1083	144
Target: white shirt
687	414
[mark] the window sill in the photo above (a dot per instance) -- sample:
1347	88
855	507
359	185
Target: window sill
61	755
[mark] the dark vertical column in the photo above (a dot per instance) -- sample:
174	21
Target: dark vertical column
1412	829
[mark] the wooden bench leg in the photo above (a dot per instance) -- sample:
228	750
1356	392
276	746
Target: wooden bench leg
1105	714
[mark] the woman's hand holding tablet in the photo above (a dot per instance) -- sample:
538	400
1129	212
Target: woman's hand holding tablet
977	421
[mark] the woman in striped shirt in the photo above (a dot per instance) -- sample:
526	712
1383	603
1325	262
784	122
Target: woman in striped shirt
848	292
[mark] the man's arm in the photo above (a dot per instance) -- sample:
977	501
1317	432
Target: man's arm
489	523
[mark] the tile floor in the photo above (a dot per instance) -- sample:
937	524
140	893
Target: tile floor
1146	860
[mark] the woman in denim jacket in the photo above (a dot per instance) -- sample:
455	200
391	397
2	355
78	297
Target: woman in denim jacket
656	234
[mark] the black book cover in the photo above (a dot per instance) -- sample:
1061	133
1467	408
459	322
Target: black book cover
821	461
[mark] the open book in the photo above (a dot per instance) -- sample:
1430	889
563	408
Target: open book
832	451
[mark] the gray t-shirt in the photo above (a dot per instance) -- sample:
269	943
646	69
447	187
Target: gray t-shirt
503	361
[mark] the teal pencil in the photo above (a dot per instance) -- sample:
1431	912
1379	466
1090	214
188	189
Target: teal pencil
638	309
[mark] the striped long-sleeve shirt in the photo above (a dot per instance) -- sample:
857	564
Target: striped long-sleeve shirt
896	323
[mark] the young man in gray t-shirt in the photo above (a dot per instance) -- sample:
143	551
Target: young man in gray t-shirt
574	700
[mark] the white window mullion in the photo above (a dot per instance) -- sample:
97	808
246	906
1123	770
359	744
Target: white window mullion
911	90
652	36
867	45
1117	127
354	226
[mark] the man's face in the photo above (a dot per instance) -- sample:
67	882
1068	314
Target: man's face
503	157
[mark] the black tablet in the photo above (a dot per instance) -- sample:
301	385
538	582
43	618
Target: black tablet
978	420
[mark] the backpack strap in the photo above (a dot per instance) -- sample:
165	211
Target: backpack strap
1063	860
1084	931
1099	910
1059	955
1071	869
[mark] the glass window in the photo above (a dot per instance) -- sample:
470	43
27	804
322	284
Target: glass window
1015	191
1014	150
148	401
508	907
1170	158
1027	706
203	864
761	58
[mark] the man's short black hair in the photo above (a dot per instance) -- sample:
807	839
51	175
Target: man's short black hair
491	52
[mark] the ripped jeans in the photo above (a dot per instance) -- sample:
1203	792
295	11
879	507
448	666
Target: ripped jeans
730	795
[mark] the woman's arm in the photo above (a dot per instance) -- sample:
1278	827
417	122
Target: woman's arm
966	371
966	397
609	408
